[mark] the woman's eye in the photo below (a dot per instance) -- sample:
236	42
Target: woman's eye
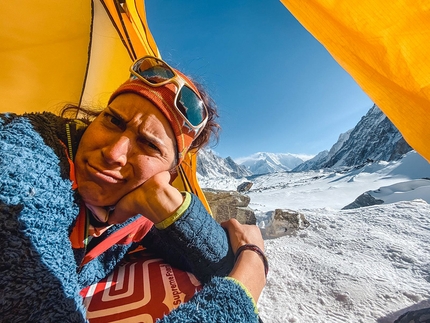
114	120
153	146
150	144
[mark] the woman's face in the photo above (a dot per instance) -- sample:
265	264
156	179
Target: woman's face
128	143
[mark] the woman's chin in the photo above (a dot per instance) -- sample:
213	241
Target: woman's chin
92	198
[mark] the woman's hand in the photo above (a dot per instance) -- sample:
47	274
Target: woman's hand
249	268
241	234
155	199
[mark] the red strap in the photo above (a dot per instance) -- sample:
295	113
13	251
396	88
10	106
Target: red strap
133	232
72	167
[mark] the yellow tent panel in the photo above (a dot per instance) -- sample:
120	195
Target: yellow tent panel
384	45
68	51
43	53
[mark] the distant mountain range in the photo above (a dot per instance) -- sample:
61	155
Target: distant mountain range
210	165
263	163
374	138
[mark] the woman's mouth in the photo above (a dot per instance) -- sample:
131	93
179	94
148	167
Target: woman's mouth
109	176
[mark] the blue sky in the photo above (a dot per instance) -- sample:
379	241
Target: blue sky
277	88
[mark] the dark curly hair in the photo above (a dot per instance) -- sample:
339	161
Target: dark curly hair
209	132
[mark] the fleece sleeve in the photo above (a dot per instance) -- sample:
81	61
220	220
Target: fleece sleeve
221	300
38	280
195	242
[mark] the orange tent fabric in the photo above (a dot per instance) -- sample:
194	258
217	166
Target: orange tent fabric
385	47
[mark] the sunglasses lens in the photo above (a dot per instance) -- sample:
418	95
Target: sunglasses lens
191	106
153	70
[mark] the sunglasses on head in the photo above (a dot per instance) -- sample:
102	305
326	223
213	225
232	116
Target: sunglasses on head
155	72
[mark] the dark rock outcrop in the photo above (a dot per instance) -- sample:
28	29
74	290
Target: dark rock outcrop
364	199
244	187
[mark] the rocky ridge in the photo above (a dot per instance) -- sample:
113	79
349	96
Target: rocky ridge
374	138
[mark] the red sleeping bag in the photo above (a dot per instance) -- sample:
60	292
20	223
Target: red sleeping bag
142	289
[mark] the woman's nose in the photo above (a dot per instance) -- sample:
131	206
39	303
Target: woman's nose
117	151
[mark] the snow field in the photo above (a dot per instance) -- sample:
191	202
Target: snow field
363	265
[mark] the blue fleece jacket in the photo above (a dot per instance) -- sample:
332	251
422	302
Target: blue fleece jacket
40	277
